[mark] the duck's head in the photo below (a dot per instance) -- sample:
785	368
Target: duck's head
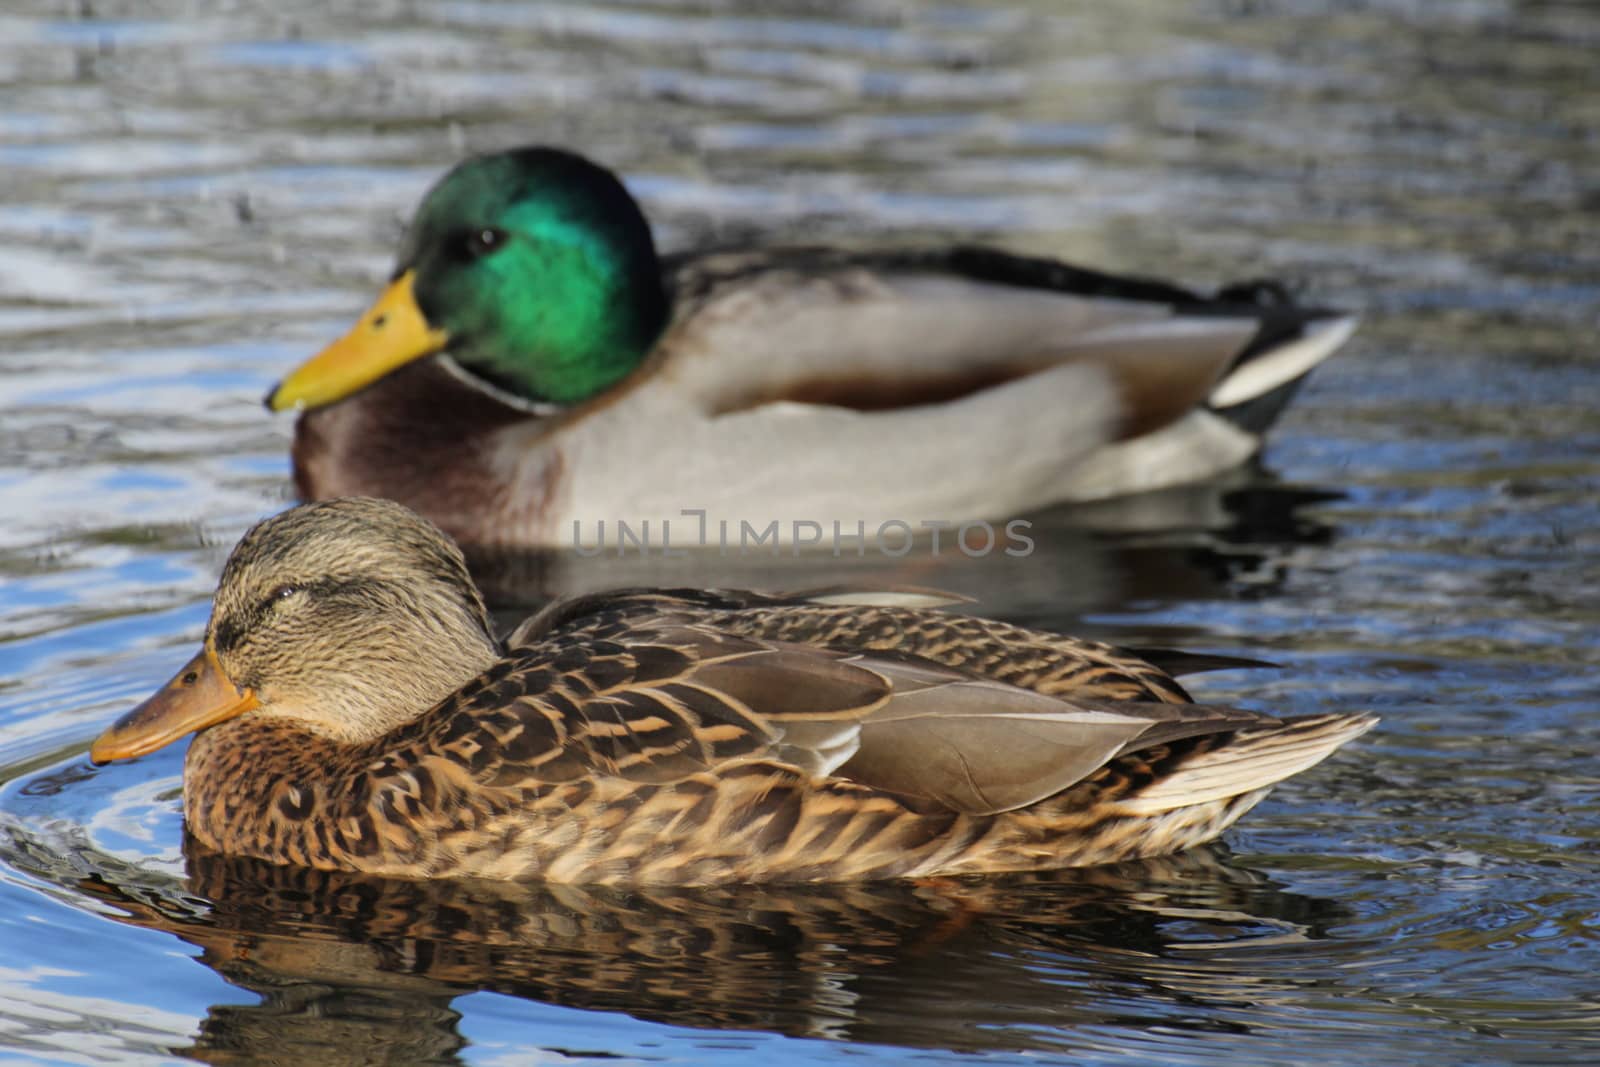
349	617
533	270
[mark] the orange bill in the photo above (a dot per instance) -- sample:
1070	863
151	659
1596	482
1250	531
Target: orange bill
199	695
391	334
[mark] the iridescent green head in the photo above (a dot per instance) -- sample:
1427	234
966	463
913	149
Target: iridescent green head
533	269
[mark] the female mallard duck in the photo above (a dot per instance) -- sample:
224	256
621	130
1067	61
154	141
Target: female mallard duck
575	377
355	712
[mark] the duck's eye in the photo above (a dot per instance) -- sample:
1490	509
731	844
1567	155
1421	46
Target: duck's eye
483	241
282	592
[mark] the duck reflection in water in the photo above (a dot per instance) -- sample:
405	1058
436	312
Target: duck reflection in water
356	968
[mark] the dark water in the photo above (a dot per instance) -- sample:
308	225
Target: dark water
192	198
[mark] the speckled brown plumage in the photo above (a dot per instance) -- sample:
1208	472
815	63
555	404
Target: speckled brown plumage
692	737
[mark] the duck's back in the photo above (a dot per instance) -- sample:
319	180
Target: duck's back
876	330
691	736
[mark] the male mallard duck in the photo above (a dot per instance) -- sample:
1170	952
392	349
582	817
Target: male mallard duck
576	378
355	712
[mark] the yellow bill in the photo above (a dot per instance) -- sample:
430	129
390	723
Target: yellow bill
391	334
199	695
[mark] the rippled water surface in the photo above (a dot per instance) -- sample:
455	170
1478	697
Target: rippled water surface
195	196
